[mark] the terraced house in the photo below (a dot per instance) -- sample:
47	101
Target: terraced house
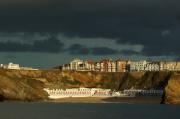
138	65
108	65
122	65
169	66
152	66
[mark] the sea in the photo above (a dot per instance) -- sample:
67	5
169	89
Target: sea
49	110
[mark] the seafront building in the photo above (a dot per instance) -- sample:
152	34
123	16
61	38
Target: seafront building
138	65
144	66
172	66
77	64
84	92
152	66
108	65
15	67
99	92
97	66
10	66
122	65
104	65
78	92
89	65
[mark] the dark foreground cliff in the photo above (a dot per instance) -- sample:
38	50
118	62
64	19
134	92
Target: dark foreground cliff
172	90
28	85
16	86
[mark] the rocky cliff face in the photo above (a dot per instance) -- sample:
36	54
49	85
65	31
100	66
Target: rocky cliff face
14	86
118	81
28	85
172	90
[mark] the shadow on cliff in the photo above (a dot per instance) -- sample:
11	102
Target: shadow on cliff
165	83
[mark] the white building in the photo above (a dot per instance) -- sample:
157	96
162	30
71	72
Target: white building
97	66
89	66
1	66
78	92
170	66
111	66
15	66
11	66
152	66
77	64
103	66
138	65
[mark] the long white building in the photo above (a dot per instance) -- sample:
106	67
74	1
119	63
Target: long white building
78	92
84	92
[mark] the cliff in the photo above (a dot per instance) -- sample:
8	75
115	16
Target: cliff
14	86
172	90
28	85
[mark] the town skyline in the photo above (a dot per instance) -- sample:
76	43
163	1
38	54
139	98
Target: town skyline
120	65
58	63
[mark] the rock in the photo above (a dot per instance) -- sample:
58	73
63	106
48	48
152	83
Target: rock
16	87
172	90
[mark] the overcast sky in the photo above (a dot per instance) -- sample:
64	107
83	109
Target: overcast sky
46	33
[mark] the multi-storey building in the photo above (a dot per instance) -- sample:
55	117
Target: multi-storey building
97	66
111	66
104	65
121	65
15	66
89	66
169	66
138	65
177	68
152	66
107	65
76	64
10	66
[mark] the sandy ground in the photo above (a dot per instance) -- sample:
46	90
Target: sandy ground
146	100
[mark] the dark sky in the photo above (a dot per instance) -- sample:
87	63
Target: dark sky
46	33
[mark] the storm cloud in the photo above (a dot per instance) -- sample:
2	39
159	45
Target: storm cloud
77	49
145	27
51	45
